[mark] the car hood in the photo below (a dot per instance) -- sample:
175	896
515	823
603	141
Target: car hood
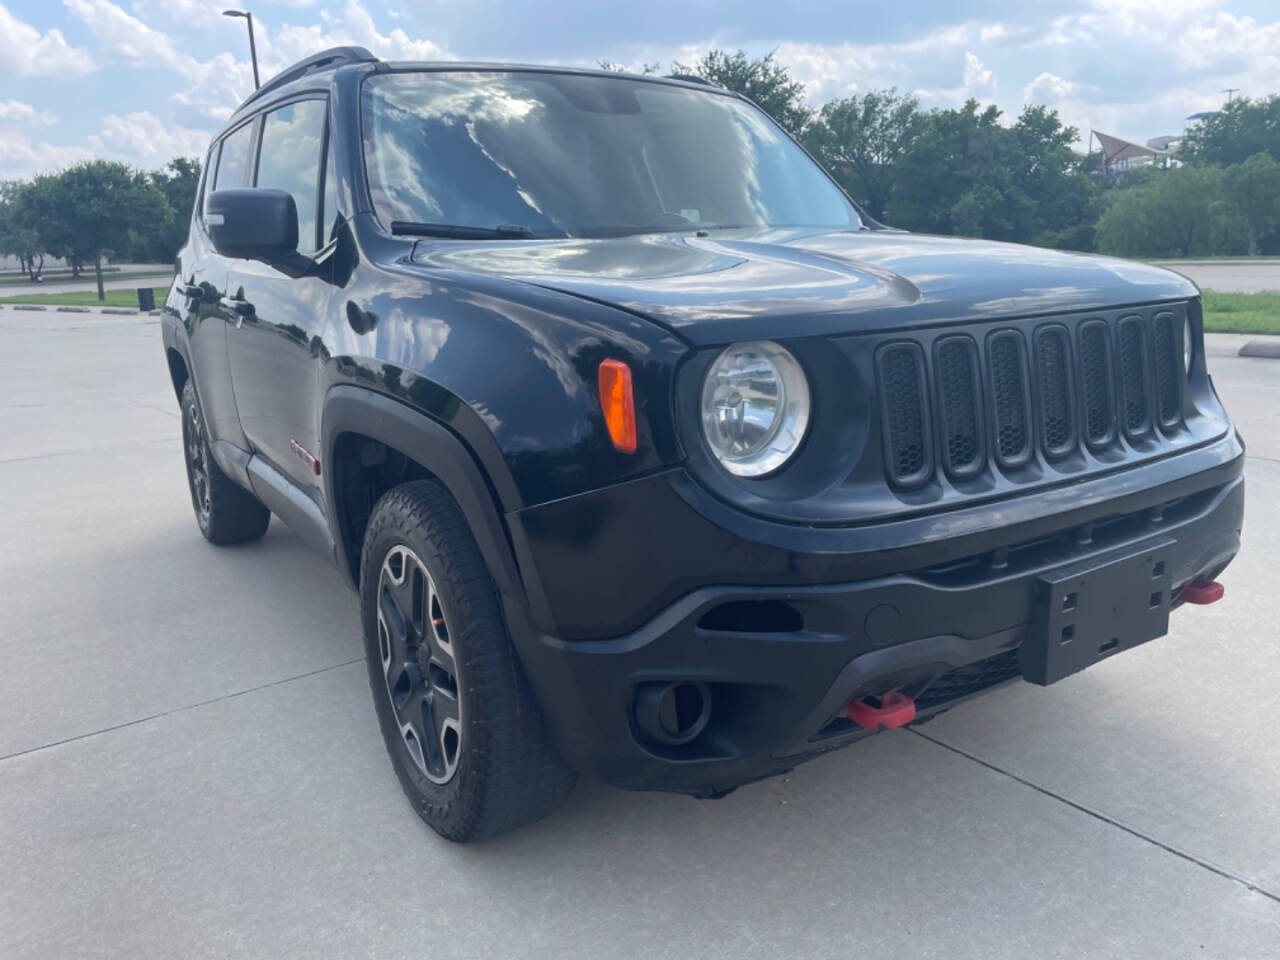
737	285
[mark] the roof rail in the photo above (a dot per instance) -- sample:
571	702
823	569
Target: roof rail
692	78
324	60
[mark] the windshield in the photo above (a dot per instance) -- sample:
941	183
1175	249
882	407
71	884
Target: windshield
568	155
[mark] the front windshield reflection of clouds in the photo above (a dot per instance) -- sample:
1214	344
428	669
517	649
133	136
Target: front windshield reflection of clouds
575	155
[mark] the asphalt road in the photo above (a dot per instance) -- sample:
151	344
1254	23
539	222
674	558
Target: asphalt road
190	764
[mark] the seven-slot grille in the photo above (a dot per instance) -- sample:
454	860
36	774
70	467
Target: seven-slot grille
1052	389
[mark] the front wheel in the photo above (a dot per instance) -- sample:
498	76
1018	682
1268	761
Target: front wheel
466	738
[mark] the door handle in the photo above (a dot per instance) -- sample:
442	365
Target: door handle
240	309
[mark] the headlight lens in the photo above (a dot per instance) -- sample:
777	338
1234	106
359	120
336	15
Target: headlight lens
1187	345
755	408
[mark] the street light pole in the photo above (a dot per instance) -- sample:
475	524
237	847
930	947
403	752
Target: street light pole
253	50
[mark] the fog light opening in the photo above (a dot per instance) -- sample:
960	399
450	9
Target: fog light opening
671	714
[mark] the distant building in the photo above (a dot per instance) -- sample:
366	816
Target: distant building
1120	156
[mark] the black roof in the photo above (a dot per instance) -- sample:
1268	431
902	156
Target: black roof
336	57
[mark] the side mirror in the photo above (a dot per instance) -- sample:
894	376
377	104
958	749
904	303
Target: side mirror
253	224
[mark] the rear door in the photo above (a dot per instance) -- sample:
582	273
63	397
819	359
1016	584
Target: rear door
276	343
203	278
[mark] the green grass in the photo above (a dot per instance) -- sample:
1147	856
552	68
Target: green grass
1242	312
86	277
87	298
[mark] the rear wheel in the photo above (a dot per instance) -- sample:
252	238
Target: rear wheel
468	742
225	512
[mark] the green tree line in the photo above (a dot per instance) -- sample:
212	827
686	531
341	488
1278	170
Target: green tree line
965	171
97	210
962	171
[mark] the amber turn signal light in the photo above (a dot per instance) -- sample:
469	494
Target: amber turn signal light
618	404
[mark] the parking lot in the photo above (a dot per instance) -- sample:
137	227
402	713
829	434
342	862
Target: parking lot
190	764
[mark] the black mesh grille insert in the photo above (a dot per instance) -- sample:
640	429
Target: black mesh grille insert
1133	377
1053	376
1168	369
1009	397
970	679
1096	379
959	404
905	412
1026	400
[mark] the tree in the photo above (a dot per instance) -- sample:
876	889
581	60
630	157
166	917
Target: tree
861	139
763	80
178	181
1179	213
936	187
18	235
966	173
1235	133
646	69
1254	188
92	209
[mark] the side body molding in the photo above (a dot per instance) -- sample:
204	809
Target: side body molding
351	409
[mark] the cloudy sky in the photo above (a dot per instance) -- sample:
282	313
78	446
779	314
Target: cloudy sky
145	80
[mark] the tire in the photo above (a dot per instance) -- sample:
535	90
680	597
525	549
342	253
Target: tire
225	512
464	733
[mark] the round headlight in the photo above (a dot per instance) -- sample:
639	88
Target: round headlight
755	408
1187	345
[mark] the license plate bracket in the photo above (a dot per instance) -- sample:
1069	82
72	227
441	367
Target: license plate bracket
1089	611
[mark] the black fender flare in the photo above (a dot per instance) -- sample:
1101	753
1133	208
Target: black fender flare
353	409
174	339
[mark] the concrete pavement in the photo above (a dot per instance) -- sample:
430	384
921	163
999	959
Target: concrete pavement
1230	276
190	765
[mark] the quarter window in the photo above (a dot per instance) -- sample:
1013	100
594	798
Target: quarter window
289	159
233	161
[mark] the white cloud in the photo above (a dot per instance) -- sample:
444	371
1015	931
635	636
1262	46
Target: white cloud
139	139
979	82
1004	34
838	70
144	140
216	86
21	156
1048	88
29	53
15	111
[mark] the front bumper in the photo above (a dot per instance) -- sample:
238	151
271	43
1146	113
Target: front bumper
784	638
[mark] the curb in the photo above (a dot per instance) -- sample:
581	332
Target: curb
73	309
25	306
1269	349
119	311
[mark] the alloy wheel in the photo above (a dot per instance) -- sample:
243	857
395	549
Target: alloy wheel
197	466
418	664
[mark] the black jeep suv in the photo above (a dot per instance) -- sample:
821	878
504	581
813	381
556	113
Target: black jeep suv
648	454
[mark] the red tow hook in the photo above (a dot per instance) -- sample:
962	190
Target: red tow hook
1203	591
894	710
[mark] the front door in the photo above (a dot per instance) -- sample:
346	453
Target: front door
276	340
200	284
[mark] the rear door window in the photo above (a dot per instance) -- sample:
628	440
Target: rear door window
289	159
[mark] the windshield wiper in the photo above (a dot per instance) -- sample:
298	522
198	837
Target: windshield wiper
453	231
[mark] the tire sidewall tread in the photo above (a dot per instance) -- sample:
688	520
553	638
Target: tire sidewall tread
509	773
